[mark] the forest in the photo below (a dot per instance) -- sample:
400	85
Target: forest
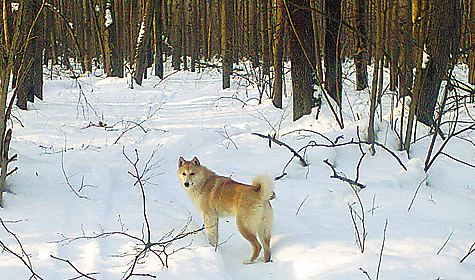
402	52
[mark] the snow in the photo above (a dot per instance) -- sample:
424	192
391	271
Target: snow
108	18
188	114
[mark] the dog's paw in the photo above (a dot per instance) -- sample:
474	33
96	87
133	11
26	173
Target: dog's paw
249	261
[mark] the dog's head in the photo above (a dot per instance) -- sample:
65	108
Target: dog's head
189	172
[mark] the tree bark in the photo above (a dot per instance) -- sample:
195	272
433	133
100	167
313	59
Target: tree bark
113	58
333	71
158	33
302	56
30	75
443	40
278	55
226	41
360	56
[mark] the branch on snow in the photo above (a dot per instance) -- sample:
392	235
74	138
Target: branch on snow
342	178
145	246
23	256
331	144
303	162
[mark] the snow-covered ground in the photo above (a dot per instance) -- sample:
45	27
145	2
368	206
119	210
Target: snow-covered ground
76	138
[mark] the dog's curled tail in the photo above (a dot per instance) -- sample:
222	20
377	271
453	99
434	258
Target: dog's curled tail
264	186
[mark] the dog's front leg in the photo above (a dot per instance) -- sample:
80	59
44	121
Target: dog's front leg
211	223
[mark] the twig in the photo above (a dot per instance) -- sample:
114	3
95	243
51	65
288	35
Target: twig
144	244
23	256
458	160
344	179
446	241
300	206
353	142
470	251
303	162
432	160
382	248
312	131
75	269
139	177
365	273
223	242
226	135
67	178
136	124
415	193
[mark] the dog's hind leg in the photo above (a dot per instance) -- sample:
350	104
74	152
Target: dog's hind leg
246	226
265	231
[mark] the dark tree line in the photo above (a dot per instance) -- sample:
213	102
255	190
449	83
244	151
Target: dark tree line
418	41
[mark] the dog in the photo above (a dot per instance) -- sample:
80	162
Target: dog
216	196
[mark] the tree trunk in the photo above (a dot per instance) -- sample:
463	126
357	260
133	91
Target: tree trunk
302	57
253	38
176	35
471	40
226	41
158	32
360	35
142	39
265	45
420	30
316	34
278	54
333	71
443	41
114	61
194	47
30	77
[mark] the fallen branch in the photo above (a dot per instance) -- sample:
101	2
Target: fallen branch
314	132
303	162
344	179
353	142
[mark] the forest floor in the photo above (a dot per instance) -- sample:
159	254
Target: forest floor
73	186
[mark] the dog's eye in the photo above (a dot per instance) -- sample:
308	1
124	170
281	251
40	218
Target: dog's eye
184	174
191	174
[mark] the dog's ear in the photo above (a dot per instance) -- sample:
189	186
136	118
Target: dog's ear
181	161
195	161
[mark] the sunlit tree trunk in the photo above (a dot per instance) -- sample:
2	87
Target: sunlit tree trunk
143	36
278	53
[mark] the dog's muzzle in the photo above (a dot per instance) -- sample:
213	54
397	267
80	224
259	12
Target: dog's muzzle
186	184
